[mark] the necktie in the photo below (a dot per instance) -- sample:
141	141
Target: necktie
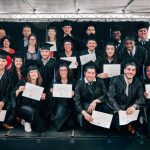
131	54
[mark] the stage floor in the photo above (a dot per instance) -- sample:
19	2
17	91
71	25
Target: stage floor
91	139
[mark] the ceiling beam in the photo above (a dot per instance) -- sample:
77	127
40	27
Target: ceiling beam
128	4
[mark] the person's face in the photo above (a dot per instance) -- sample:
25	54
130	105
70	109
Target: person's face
6	43
32	40
67	30
91	45
148	72
116	35
129	45
18	63
63	72
110	50
130	71
26	32
51	33
3	63
90	74
45	53
67	46
33	74
90	30
2	33
143	33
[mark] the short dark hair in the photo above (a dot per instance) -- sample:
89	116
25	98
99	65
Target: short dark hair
89	67
26	26
129	64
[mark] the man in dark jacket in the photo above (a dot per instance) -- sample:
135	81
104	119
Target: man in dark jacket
90	92
125	93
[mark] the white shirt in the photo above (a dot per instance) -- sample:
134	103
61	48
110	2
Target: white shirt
133	51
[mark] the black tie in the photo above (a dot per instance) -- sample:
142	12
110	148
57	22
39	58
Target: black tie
131	54
143	42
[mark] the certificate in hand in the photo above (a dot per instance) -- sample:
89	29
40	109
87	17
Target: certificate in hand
2	115
112	69
125	119
87	58
33	91
101	119
147	88
53	48
73	61
62	90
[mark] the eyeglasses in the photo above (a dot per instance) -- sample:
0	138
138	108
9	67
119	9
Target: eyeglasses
63	70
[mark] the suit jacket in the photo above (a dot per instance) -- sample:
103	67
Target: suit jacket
85	93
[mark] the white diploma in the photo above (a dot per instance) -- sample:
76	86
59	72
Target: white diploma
62	90
125	119
87	58
112	69
147	88
73	61
33	91
53	48
101	119
2	115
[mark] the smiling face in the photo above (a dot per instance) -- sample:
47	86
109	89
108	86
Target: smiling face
18	63
6	43
45	53
90	74
129	45
3	63
63	72
90	30
68	46
143	33
91	45
67	30
51	33
33	74
26	31
116	35
32	40
2	33
130	71
110	51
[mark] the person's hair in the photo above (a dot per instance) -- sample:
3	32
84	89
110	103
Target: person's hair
105	56
129	64
38	81
13	68
69	72
72	45
32	34
89	67
9	39
51	28
26	26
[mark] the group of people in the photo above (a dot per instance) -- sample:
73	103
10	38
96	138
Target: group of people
92	88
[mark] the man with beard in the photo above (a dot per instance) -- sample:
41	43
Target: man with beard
125	93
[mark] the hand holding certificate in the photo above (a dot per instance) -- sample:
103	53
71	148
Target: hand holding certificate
73	61
87	58
62	90
112	69
101	119
147	88
2	115
33	91
125	119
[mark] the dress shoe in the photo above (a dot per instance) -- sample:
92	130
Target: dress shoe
8	127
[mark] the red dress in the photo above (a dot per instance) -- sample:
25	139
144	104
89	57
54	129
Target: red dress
8	58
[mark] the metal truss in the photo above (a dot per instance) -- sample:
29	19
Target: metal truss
38	17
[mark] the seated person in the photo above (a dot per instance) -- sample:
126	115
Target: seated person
125	93
63	107
31	111
90	94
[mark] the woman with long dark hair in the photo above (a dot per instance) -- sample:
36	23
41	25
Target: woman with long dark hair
30	110
63	107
